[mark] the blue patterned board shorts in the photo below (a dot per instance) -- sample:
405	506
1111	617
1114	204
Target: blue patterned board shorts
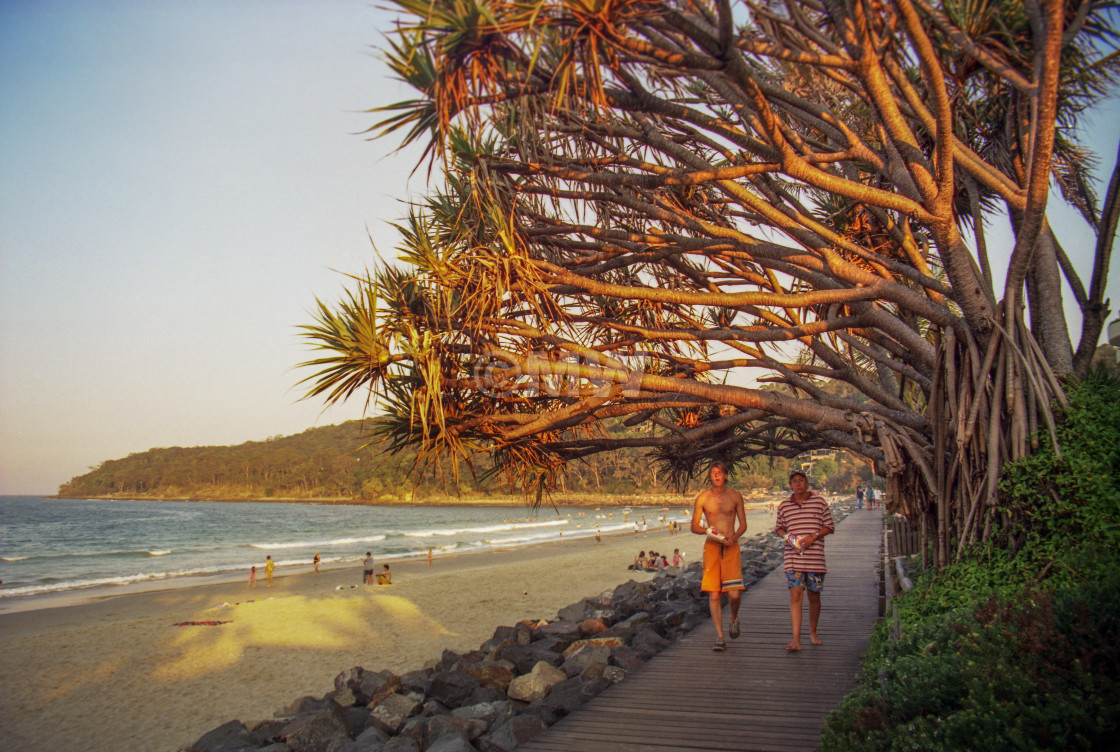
812	580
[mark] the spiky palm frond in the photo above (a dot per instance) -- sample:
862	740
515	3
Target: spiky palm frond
350	332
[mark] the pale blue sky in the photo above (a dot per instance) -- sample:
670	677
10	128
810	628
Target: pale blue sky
178	182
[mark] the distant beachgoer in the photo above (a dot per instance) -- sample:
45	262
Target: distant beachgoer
367	571
315	562
269	565
719	515
252	576
639	562
429	557
803	520
645	526
384	577
598	535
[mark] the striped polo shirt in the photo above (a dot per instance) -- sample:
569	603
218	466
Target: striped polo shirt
805	518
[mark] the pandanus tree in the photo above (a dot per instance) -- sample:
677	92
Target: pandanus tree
736	229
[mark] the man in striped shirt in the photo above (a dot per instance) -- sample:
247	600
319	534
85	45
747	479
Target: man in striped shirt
803	520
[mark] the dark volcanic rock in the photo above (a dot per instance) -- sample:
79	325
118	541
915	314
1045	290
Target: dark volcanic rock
311	733
229	737
551	642
366	687
580	660
269	730
524	658
493	714
418	681
561	629
501	635
356	719
304	705
392	712
370	740
454	743
485	694
565	697
626	658
439	727
453	688
401	744
467	660
446	661
515	731
647	642
494	673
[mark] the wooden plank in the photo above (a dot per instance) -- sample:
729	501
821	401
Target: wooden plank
754	697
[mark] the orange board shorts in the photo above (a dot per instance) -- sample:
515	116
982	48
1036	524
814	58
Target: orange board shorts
723	568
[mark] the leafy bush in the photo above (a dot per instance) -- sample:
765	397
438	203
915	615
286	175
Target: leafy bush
1016	646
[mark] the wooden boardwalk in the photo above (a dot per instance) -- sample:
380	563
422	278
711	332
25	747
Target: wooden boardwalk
754	696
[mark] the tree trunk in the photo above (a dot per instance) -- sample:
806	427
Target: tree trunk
1044	297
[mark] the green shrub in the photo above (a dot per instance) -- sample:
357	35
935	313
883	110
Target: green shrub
1038	674
1016	646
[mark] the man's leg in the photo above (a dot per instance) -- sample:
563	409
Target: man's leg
735	598
795	596
715	606
814	616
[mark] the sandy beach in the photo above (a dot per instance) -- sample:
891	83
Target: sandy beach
115	673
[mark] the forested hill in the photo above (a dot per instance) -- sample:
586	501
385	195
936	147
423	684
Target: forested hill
328	464
323	464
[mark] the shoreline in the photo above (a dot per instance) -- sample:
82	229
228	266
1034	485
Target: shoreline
117	672
635	499
98	593
10	604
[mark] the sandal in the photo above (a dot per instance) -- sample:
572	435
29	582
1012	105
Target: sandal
720	645
734	631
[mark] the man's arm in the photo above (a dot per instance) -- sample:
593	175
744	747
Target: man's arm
826	528
698	525
740	520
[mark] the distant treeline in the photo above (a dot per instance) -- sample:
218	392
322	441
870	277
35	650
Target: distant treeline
329	464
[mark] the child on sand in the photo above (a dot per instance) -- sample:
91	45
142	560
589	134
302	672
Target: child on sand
252	577
384	577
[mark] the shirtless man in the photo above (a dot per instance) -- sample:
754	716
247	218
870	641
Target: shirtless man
719	514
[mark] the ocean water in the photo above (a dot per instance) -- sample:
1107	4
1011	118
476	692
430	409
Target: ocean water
58	545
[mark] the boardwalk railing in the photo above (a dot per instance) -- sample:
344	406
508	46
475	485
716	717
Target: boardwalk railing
904	539
754	697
